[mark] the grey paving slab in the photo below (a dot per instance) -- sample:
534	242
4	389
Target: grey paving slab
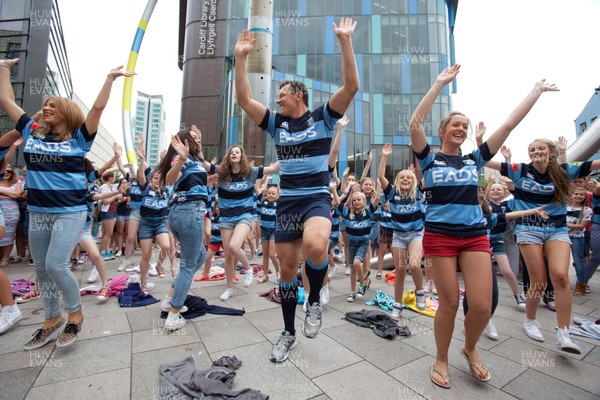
17	383
319	355
227	333
536	385
158	337
279	381
593	357
268	320
25	359
145	367
350	383
143	319
383	353
416	376
87	357
104	326
250	302
558	366
112	385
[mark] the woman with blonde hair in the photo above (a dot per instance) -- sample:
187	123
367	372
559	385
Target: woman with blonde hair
57	183
10	191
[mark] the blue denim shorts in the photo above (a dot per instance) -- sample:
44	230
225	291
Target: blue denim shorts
497	243
105	216
150	227
135	215
267	234
332	243
357	250
122	218
401	240
230	223
526	236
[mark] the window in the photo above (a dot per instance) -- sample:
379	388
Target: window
582	127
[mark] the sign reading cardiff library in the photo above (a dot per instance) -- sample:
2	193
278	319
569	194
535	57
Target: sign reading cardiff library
208	28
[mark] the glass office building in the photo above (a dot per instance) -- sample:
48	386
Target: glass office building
400	46
150	123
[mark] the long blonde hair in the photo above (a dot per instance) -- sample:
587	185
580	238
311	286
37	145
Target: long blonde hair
353	212
412	194
70	111
558	176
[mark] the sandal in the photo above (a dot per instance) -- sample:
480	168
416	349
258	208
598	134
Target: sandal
262	279
476	368
202	278
551	306
445	378
378	275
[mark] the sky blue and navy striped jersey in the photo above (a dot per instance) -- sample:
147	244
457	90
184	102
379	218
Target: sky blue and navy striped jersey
266	211
55	169
236	197
303	146
501	208
359	228
215	229
135	192
155	203
596	209
533	189
212	194
191	185
451	192
407	215
336	214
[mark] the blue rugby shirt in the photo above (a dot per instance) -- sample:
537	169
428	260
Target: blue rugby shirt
303	146
56	176
533	189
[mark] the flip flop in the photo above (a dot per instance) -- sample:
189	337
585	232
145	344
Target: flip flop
445	377
378	275
202	278
473	367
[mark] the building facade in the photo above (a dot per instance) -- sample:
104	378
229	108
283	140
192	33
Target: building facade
400	46
149	122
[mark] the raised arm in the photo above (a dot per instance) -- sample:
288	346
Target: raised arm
255	110
375	200
341	99
335	147
92	121
496	140
561	143
333	190
7	96
183	150
118	151
523	213
479	132
365	172
417	131
272	169
386	151
141	176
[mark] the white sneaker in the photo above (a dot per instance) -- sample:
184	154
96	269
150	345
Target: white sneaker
332	271
305	302
324	295
8	320
149	286
165	305
532	329
396	312
133	269
491	331
174	324
93	275
421	305
124	266
248	277
427	286
564	342
226	294
152	271
348	269
119	253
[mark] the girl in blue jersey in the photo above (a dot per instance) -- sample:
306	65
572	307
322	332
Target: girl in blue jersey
215	241
238	210
579	216
454	223
267	207
184	167
546	182
54	153
407	223
357	219
153	223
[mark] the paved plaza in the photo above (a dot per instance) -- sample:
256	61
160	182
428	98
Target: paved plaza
119	350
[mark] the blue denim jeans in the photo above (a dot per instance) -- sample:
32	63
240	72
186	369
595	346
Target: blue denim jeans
52	238
186	221
577	245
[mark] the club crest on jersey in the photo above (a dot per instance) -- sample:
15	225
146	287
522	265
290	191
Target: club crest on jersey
530	176
468	162
285	125
36	133
438	162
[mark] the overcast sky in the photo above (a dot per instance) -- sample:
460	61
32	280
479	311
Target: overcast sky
504	47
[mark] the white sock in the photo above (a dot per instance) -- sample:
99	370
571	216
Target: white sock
173	316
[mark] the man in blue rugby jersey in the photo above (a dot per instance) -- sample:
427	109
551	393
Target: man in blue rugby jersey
303	140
